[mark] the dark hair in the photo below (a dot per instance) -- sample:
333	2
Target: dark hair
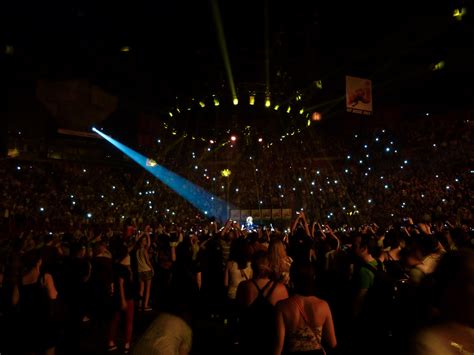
303	280
31	259
240	252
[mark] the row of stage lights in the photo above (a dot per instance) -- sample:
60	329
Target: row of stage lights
252	98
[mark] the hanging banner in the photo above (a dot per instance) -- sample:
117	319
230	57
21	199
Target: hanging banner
358	95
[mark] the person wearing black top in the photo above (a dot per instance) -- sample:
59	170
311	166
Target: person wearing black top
123	299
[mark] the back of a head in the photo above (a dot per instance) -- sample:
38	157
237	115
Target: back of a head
303	280
261	265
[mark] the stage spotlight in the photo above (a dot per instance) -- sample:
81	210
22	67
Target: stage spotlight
196	195
268	103
235	101
252	100
316	116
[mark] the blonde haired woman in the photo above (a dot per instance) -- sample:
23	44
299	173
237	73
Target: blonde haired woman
280	263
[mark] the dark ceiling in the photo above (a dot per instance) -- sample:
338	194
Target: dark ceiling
174	50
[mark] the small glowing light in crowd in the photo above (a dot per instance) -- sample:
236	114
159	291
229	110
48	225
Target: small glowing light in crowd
276	107
237	190
149	202
313	183
288	110
202	104
343	208
125	49
320	189
447	187
436	176
195	167
222	187
396	151
226	173
235	101
73	203
427	114
256	169
367	155
18	167
89	215
346	171
123	217
369	200
84	170
348	157
233	138
401	166
381	178
387	149
383	131
167	210
335	181
42	209
212	198
282	196
328	182
457	180
356	135
354	206
213	179
405	162
211	141
360	161
377	139
366	146
294	188
369	168
216	102
150	207
443	200
173	213
261	202
391	214
260	140
279	186
311	192
299	179
317	172
170	113
208	149
366	174
301	111
434	145
72	196
205	212
111	204
422	196
316	116
386	186
391	143
158	141
139	193
148	182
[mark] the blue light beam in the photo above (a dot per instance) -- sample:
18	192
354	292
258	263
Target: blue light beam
207	203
